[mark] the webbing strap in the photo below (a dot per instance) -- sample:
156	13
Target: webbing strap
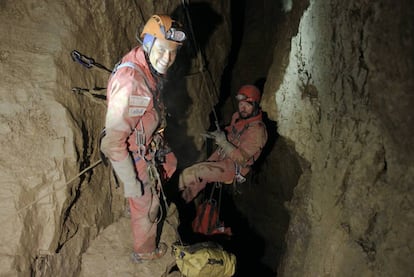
128	64
140	135
135	67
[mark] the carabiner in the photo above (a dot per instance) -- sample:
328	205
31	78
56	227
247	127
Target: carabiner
83	60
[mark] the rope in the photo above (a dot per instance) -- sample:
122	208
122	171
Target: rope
219	201
155	179
56	189
202	63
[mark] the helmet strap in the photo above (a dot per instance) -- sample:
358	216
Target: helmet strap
148	43
255	109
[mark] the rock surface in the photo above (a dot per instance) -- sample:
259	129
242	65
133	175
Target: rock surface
109	254
333	195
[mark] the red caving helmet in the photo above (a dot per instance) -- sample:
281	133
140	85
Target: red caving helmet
249	93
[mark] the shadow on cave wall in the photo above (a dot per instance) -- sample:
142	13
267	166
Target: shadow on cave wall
199	26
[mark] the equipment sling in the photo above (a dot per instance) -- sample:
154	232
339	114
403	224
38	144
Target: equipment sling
207	219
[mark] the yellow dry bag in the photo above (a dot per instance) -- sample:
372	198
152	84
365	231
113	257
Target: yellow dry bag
204	259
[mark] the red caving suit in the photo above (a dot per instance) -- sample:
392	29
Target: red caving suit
134	105
248	136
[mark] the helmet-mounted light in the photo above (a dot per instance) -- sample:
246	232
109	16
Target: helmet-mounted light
175	35
164	27
241	97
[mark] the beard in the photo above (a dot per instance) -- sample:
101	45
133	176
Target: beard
244	115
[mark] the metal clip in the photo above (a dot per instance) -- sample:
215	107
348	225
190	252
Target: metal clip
140	141
239	178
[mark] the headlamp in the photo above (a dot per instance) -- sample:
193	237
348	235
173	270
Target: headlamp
240	97
175	35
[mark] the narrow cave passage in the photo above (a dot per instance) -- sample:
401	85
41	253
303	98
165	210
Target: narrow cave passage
255	210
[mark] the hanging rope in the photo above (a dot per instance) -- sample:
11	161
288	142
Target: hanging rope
202	68
219	186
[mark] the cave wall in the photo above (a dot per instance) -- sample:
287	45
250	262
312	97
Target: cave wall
339	87
50	133
342	100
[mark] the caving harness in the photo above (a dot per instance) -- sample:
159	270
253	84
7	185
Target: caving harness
234	137
155	151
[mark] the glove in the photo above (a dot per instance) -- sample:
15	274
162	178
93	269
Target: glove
220	137
221	141
126	172
227	147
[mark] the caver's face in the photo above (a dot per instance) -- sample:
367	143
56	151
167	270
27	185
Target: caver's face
245	109
162	55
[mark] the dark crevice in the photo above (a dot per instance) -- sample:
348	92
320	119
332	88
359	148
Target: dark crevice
69	228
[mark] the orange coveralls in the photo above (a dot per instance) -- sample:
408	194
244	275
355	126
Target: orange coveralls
248	136
134	104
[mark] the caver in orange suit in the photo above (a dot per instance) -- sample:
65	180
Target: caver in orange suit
245	139
133	127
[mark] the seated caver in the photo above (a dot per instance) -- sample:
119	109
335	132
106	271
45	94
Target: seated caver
239	146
